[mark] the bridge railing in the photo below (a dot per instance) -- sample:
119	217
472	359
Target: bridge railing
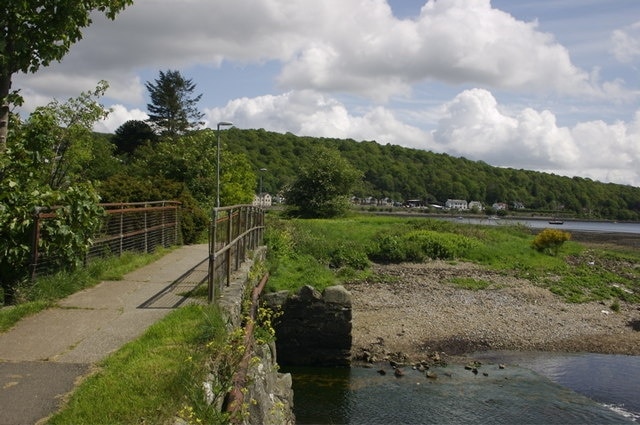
234	232
133	226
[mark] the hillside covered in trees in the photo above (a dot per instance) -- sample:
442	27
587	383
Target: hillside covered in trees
400	173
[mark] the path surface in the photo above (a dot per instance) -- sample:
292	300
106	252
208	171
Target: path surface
43	355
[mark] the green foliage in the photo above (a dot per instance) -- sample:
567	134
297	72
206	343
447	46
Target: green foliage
550	241
323	187
173	111
131	135
470	283
42	169
37	32
418	245
155	377
402	173
123	187
305	250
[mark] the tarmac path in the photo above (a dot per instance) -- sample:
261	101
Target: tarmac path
44	355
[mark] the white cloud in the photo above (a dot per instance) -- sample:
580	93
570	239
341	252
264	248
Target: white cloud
118	116
626	43
455	41
474	125
314	114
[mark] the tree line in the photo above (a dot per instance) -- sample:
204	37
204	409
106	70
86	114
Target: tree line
398	173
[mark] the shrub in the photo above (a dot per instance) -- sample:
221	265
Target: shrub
550	241
348	254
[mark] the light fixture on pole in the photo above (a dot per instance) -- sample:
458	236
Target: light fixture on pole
260	195
220	124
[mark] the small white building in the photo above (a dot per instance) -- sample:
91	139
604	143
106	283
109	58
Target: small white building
456	204
476	204
262	200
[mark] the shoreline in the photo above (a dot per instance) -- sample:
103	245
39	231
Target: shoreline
417	317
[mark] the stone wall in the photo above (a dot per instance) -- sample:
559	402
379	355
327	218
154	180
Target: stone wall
268	399
314	328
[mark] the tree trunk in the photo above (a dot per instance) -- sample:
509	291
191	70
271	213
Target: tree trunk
5	86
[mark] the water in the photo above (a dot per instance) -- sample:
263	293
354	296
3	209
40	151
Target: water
585	226
533	388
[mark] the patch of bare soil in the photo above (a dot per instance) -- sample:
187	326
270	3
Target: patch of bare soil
412	312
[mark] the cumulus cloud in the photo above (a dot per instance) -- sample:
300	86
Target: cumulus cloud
474	125
455	41
354	46
119	115
626	43
309	113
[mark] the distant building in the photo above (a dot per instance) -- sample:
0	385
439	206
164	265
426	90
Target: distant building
456	204
500	206
476	204
262	200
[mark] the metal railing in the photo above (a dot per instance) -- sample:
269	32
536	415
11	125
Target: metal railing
137	226
235	231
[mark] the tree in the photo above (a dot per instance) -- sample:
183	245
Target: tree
37	32
323	186
132	134
44	167
173	111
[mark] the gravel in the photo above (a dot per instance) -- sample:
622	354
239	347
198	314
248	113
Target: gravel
412	312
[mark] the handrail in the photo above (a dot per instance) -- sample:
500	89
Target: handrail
234	231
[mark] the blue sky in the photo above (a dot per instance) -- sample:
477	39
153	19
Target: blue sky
547	85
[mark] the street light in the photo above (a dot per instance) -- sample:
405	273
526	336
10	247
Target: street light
220	124
262	170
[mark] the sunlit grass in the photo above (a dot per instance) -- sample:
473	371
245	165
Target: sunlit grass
326	252
151	379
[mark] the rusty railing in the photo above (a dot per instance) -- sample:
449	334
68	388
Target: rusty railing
235	231
137	226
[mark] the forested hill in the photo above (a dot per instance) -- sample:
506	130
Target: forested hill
403	173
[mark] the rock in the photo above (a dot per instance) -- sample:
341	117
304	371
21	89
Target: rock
337	295
431	375
398	372
382	372
501	366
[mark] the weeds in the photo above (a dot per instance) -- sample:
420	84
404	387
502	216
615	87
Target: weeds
328	252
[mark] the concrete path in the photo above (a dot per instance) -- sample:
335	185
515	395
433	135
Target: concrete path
43	355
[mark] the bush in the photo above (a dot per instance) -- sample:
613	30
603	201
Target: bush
550	241
417	245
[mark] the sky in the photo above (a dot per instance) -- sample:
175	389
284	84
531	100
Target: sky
545	85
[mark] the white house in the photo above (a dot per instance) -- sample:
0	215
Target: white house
456	204
476	204
262	200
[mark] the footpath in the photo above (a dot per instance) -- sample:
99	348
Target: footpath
44	355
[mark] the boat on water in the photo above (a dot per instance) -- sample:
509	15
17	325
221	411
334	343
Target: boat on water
556	221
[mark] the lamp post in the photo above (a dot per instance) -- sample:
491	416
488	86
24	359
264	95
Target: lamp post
262	170
220	124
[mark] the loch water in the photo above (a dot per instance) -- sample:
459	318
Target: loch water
533	388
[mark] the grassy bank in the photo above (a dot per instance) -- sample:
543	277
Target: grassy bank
155	378
326	252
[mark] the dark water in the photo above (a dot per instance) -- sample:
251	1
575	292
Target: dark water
589	389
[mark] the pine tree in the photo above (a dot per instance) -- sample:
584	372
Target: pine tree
173	110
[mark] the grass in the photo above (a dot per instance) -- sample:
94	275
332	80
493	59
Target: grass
46	290
470	283
154	378
322	253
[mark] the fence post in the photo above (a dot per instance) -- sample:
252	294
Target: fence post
35	240
229	251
